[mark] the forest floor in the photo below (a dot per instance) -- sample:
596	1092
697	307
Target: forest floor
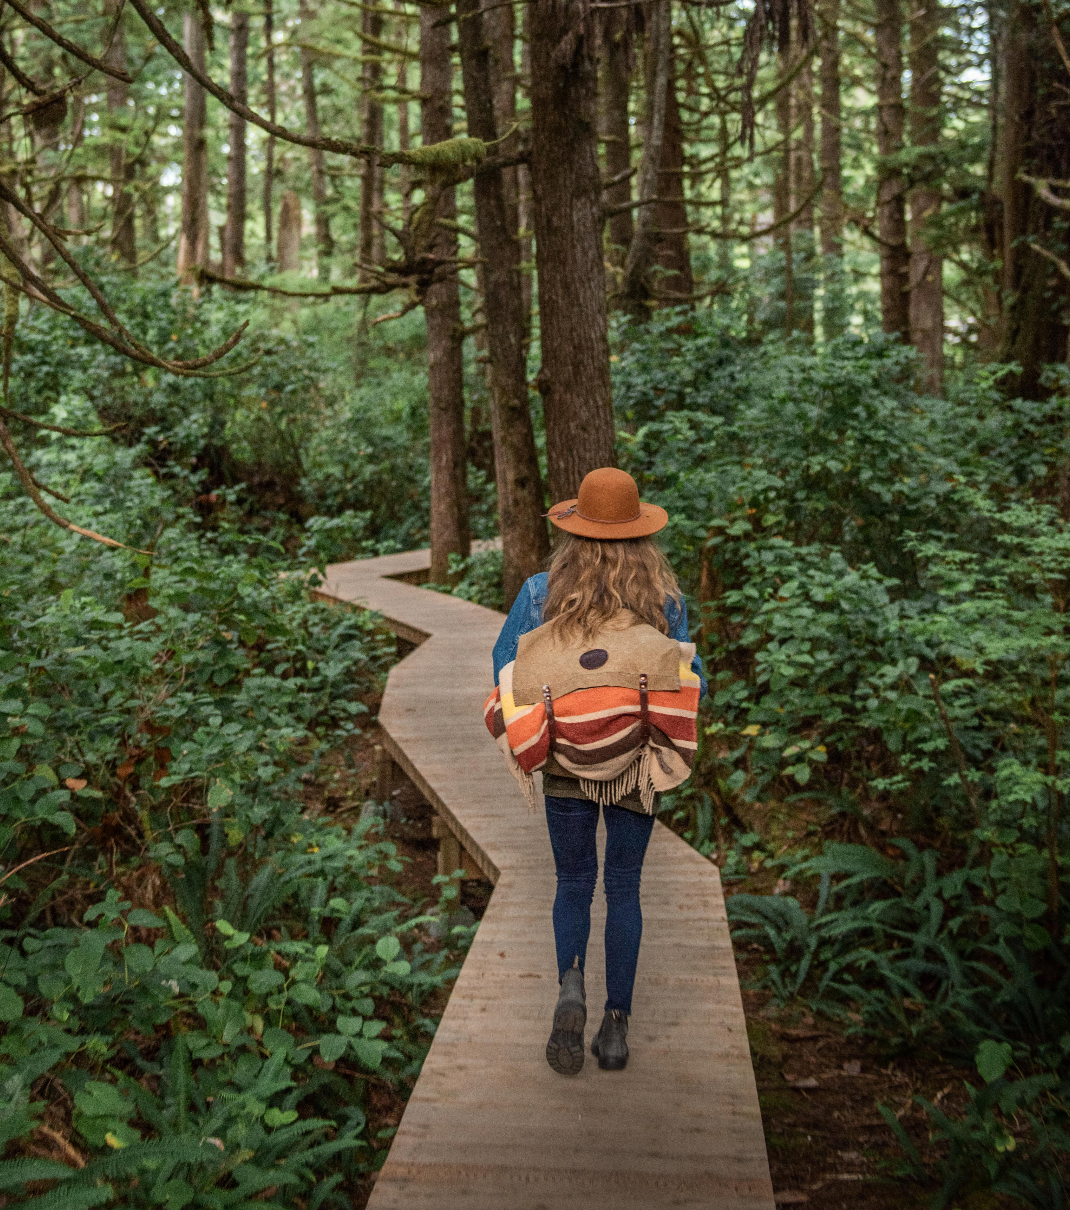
818	1088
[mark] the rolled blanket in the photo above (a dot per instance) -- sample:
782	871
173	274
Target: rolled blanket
614	737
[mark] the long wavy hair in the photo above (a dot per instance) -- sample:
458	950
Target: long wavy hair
591	582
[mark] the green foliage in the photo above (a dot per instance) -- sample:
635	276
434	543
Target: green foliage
882	593
158	722
477	578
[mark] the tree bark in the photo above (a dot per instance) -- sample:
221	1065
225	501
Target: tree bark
289	253
193	236
524	204
567	202
123	237
926	265
324	241
833	316
802	179
499	24
442	312
272	100
520	497
1036	143
782	190
617	54
675	283
234	234
891	184
404	135
636	288
372	125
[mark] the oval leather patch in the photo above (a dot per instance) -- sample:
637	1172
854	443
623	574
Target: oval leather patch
594	659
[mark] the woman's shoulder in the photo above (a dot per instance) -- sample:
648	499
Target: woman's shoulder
536	586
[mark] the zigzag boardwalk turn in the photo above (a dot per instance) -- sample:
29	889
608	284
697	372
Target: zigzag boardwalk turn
489	1126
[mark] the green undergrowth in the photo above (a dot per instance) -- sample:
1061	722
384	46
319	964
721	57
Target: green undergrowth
205	987
879	583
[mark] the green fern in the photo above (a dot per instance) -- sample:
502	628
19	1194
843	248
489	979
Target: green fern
71	1197
18	1172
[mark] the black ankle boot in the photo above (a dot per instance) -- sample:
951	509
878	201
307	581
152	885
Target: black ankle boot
564	1051
609	1046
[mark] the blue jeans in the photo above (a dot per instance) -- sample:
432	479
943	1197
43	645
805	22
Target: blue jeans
573	823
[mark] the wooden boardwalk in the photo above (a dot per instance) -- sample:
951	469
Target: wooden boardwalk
489	1126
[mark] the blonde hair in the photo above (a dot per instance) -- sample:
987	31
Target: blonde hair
591	582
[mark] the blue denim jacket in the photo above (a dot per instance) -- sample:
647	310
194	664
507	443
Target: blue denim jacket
526	615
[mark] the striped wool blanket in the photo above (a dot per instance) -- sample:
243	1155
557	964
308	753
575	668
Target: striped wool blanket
607	719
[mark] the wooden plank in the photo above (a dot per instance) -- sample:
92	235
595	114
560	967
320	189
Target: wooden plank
489	1126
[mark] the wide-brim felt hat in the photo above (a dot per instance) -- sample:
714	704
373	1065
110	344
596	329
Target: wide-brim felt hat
608	506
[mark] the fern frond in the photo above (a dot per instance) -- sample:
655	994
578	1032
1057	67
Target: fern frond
71	1197
160	1152
18	1172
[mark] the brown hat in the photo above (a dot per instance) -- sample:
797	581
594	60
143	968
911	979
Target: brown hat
608	506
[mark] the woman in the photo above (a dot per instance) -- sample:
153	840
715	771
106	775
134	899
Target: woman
604	565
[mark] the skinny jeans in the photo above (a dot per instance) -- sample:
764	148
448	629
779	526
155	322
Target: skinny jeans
573	824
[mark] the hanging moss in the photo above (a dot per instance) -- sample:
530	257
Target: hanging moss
447	156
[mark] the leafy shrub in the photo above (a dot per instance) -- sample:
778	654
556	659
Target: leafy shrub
158	721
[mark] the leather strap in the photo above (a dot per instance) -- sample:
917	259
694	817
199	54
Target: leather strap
551	722
644	710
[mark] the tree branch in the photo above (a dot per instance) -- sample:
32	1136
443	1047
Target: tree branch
8	414
1043	188
63	43
119	338
30	484
1057	261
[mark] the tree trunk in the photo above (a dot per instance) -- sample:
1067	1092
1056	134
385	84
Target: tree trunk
499	25
404	135
672	254
193	237
289	254
926	266
525	214
234	234
370	189
324	242
802	180
725	246
123	238
782	191
272	100
567	196
442	311
891	185
1036	143
833	307
636	287
520	497
617	53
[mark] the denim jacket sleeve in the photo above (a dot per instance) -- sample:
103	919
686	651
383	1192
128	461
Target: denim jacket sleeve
526	615
676	616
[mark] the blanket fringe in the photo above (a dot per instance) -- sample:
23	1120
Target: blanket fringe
609	793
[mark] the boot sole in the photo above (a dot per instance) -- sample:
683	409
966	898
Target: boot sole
564	1051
